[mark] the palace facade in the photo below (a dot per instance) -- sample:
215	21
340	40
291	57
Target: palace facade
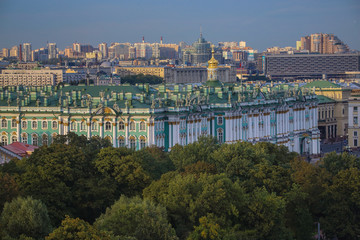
163	115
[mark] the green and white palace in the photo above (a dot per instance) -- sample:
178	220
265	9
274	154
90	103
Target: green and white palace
143	115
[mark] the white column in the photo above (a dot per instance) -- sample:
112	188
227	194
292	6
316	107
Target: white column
18	128
114	128
88	124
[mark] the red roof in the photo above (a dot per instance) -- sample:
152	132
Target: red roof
21	149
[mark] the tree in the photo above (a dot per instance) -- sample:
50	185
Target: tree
334	163
266	215
25	216
189	197
199	151
66	181
134	217
77	229
8	189
122	169
341	217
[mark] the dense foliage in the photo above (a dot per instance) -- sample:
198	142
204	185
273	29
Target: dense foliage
85	189
141	78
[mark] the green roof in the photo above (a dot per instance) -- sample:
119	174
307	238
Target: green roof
321	84
323	99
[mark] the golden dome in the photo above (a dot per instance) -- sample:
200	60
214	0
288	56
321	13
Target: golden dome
213	63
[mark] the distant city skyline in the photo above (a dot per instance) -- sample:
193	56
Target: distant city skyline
262	24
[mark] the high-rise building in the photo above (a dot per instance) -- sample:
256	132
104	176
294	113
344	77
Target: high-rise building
26	52
52	50
6	52
103	48
77	47
14	51
323	43
242	44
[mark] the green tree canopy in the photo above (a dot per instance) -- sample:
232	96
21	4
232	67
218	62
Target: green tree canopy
134	217
25	217
77	229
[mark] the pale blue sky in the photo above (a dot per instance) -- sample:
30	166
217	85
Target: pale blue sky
261	23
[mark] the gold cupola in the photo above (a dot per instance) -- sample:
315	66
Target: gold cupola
213	63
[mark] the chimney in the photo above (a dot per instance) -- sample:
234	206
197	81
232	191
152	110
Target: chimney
143	40
161	40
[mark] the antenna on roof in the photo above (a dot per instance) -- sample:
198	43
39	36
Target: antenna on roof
200	32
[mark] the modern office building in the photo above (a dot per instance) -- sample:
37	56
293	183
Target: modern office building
311	65
26	52
52	51
103	48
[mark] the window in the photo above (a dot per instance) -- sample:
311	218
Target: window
121	142
94	126
53	136
220	135
121	126
108	126
14	139
355	133
108	138
45	140
83	126
142	126
73	126
355	142
355	109
132	143
4	123
142	143
4	140
132	126
24	138
44	125
24	124
220	120
54	124
13	123
355	120
35	140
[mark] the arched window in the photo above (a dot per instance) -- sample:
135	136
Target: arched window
4	123
108	126
142	126
132	126
4	140
73	126
220	135
13	123
44	124
132	143
121	126
142	142
45	140
121	142
94	126
220	120
13	139
83	126
35	140
24	124
54	124
34	125
24	138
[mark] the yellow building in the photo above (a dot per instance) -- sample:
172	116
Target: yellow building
126	71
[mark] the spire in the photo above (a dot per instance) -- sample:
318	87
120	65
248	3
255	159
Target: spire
200	32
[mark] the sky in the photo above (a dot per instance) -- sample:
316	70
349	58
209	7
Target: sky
261	23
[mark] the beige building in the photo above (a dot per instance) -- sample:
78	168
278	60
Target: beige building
35	79
341	96
126	71
198	74
354	128
14	73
